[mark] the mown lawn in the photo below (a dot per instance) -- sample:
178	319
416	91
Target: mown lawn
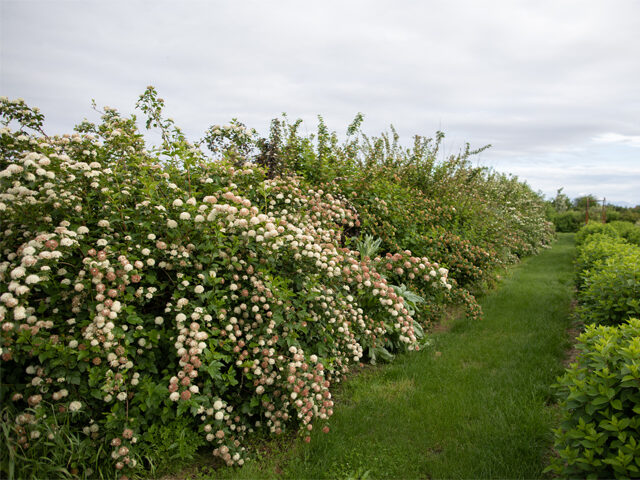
474	405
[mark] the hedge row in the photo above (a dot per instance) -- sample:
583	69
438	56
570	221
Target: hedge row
628	231
154	300
573	220
599	435
608	273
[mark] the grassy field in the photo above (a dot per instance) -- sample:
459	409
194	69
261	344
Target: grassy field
475	404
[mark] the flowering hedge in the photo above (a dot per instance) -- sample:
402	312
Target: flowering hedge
470	218
141	287
160	295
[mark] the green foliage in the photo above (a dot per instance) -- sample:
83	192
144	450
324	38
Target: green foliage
629	214
368	246
155	299
52	447
600	394
596	250
627	230
567	221
610	293
608	274
599	434
411	198
167	448
592	228
580	203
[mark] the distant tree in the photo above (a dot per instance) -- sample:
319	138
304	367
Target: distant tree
561	203
630	214
580	203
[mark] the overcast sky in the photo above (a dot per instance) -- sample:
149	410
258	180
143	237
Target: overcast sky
554	86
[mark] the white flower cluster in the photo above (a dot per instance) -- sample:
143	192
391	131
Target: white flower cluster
109	258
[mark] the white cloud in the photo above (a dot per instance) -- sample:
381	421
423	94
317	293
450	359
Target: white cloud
632	140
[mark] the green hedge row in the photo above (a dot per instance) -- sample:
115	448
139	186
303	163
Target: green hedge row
626	230
573	220
608	277
569	221
599	434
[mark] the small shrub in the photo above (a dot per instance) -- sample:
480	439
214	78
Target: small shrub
167	448
599	435
592	228
596	250
55	449
611	290
570	221
628	231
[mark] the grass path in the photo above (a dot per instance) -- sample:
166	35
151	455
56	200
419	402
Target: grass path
475	405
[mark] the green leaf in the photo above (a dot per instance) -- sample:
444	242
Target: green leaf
74	378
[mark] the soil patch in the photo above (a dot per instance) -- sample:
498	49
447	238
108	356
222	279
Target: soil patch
573	333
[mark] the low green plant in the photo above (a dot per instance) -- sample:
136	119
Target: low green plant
170	447
368	246
596	250
48	446
610	292
592	228
627	230
599	435
569	221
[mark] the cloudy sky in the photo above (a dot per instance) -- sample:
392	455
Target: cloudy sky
554	86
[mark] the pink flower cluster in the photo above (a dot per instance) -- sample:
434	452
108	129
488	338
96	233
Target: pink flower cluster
213	292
